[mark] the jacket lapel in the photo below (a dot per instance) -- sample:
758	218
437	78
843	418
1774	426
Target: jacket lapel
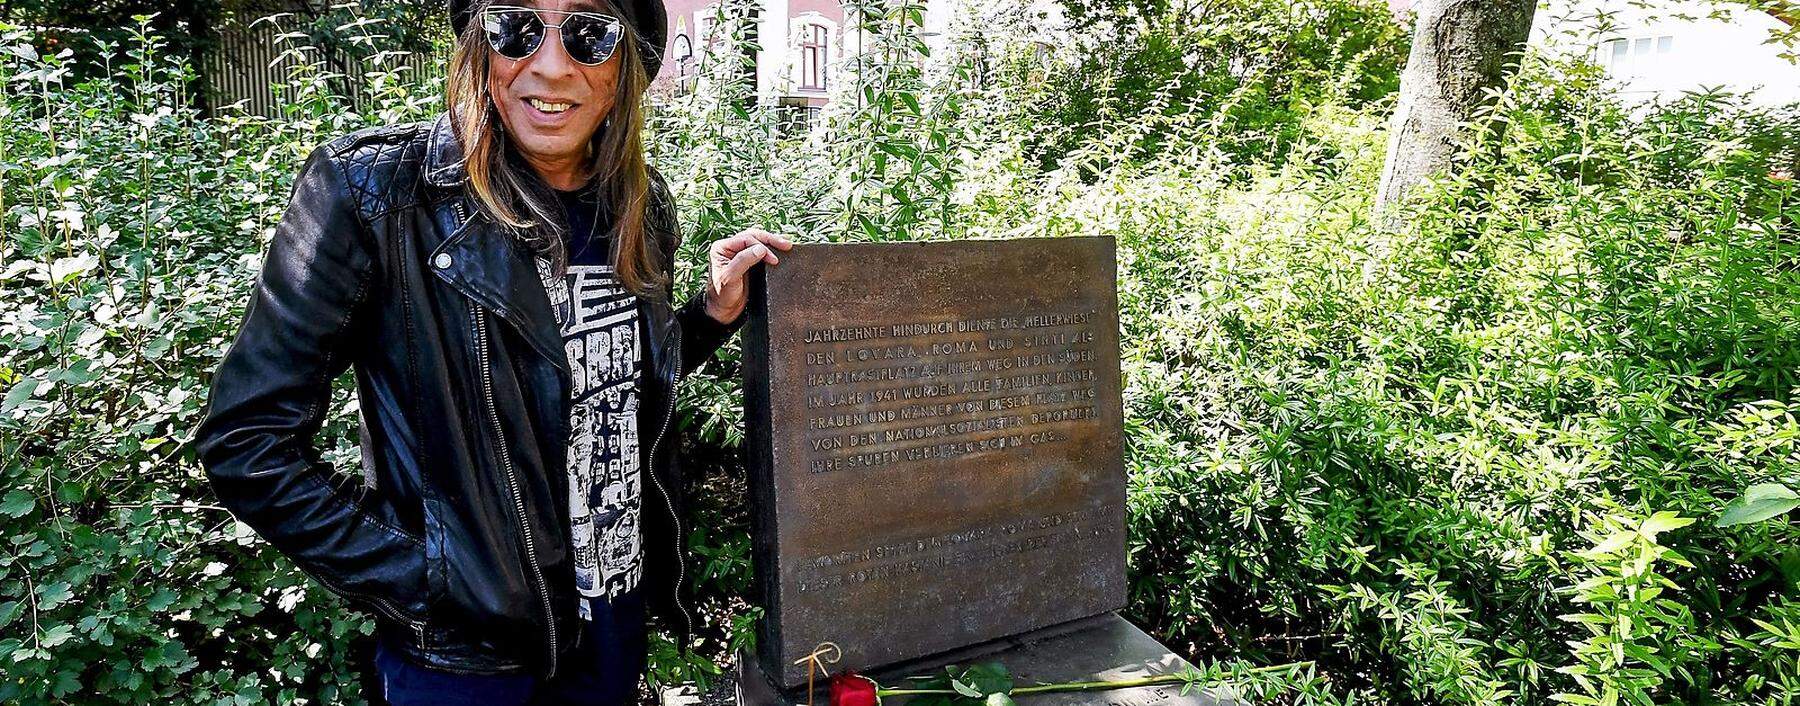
481	261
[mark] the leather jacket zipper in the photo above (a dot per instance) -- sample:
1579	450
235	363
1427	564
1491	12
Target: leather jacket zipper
382	605
680	561
512	480
479	317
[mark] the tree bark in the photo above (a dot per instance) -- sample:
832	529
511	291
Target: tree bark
1460	50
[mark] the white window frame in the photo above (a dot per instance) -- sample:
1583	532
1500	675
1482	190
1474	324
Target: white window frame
799	27
1633	53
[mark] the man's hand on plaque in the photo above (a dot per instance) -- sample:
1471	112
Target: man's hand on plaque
731	258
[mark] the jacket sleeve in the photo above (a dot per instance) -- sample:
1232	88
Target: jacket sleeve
270	396
701	335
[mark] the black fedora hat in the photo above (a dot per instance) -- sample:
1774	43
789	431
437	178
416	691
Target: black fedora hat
647	18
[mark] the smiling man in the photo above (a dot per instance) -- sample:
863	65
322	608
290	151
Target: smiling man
499	279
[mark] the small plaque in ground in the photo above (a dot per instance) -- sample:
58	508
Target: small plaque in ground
934	432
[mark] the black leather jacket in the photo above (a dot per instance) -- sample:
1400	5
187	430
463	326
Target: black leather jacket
457	535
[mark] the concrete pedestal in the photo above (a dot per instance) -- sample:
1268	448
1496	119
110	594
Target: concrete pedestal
1103	647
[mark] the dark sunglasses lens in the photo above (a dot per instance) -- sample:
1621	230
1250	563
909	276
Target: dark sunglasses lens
590	40
514	34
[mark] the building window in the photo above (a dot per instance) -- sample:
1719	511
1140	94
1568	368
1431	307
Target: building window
713	27
1634	53
796	115
814	41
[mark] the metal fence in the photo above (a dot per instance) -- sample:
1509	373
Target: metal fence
251	59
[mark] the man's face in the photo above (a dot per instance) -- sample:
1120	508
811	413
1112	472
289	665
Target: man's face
531	93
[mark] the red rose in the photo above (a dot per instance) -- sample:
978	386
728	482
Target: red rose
852	689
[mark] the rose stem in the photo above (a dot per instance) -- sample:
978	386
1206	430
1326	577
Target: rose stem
1093	685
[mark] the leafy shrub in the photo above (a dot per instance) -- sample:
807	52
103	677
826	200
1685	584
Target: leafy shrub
1252	68
1387	450
132	228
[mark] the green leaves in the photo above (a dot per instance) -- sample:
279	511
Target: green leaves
1662	522
161	599
984	678
56	635
1759	502
53	594
20	392
65	269
1637	634
984	684
17	503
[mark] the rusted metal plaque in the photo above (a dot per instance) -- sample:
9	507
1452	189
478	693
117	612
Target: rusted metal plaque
935	445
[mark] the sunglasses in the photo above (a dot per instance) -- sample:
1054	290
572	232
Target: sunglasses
516	32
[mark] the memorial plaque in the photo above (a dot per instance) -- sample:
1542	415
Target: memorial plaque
935	445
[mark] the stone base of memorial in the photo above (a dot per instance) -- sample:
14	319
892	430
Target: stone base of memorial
1102	647
935	443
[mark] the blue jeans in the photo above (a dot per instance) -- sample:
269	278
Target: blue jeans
603	670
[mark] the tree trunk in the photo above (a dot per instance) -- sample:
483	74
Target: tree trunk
1461	48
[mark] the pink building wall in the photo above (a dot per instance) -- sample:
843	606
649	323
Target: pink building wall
681	23
829	8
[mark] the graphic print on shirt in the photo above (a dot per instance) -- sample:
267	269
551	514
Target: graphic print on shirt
598	319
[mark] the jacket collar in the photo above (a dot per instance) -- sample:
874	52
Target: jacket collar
480	260
487	267
443	154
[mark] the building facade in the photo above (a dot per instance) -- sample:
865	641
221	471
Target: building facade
1661	50
802	46
1673	47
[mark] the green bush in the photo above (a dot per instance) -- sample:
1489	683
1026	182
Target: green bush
1480	457
132	229
1253	69
1410	454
